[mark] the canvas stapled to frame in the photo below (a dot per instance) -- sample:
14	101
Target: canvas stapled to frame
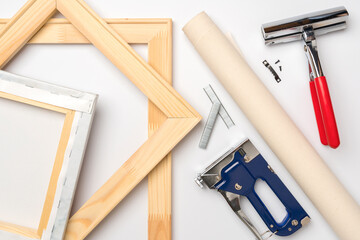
78	108
156	33
177	118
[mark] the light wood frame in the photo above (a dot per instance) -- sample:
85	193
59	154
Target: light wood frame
78	108
157	33
178	116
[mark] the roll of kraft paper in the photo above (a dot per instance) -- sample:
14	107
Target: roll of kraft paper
322	187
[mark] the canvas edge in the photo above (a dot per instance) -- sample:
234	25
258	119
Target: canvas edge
46	92
75	150
64	203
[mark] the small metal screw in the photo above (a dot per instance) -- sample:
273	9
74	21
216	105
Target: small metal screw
238	187
289	229
280	67
277	61
294	222
271	225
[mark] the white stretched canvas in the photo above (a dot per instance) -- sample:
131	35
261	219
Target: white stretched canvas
26	160
30	139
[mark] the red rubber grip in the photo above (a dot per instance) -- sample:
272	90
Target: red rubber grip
327	112
318	115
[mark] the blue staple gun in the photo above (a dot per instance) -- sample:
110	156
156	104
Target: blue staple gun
234	175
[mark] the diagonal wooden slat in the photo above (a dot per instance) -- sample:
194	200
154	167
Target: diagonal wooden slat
180	116
120	53
127	177
123	56
19	30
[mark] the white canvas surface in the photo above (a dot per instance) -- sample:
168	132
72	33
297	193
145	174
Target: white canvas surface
120	123
28	143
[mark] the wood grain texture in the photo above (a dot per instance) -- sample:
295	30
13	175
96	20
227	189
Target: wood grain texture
13	228
33	103
19	30
59	159
180	116
96	30
159	179
128	176
61	31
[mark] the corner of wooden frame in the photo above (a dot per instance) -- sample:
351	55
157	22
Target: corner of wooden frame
180	116
25	24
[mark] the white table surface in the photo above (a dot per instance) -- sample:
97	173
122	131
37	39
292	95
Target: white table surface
120	124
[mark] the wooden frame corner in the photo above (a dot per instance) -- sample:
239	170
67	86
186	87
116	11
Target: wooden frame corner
173	116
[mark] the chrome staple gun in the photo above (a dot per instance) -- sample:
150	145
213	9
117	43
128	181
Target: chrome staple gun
234	175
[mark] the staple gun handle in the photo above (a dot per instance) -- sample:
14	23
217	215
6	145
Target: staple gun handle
261	170
287	226
266	216
327	112
240	178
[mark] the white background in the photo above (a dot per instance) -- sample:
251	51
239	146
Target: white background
120	124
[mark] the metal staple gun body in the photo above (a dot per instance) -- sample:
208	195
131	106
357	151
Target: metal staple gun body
234	175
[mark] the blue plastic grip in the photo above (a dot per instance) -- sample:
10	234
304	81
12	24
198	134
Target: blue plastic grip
239	173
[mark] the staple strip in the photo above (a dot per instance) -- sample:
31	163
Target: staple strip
222	112
205	137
